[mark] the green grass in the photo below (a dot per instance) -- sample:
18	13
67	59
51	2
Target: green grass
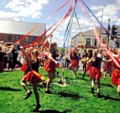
74	98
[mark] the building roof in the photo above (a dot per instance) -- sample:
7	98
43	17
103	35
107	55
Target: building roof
91	33
100	30
21	28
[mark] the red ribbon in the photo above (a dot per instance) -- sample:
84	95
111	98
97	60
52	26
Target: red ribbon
41	36
63	19
59	23
22	38
60	8
97	37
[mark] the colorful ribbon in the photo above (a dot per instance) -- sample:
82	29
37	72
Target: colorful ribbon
82	38
62	21
23	37
59	9
97	37
100	22
69	24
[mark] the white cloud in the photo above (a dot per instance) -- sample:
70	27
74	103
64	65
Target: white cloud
118	1
96	8
8	15
26	8
109	12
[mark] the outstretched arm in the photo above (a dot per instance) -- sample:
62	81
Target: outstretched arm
107	60
10	50
27	56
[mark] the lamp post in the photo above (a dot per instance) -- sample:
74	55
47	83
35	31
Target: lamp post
101	22
108	32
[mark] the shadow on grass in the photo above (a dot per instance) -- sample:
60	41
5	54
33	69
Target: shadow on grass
85	79
110	98
52	111
108	85
71	95
9	89
107	97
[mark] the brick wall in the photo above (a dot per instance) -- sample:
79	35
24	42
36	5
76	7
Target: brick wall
13	38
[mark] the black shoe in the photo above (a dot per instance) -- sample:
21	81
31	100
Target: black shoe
37	108
98	94
83	77
57	73
44	84
28	95
92	90
48	92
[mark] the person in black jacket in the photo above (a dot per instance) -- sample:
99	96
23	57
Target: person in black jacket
14	58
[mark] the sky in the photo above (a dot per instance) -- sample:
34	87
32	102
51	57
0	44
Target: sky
39	10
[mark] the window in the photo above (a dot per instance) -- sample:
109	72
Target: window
88	41
9	37
104	40
27	39
17	37
34	38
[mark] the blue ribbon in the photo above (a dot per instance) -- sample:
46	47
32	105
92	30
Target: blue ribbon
68	26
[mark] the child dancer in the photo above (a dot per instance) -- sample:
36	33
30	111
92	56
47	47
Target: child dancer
84	56
31	77
26	65
95	73
89	56
116	73
109	66
50	66
74	61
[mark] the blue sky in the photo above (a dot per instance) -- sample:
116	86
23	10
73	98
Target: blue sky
38	10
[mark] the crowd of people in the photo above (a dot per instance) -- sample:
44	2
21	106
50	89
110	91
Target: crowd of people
30	59
10	60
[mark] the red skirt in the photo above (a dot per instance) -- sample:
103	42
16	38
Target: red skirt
50	66
108	65
58	65
25	67
74	63
31	77
88	66
1	67
116	77
95	73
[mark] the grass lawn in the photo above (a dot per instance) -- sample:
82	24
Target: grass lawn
74	98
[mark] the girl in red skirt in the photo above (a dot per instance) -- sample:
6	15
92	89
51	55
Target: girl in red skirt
26	66
89	55
116	73
108	67
2	58
95	73
31	77
50	66
74	61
